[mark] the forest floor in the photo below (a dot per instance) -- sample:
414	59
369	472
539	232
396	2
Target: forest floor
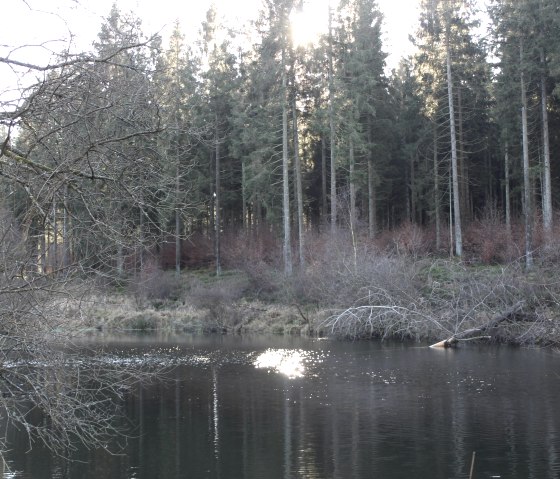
387	296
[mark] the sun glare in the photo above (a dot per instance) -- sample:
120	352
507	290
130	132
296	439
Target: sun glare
308	24
288	362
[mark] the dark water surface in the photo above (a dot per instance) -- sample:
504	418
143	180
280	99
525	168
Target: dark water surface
269	407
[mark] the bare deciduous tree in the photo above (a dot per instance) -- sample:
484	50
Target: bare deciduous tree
81	175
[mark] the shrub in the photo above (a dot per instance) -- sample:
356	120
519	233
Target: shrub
488	241
155	286
218	297
340	273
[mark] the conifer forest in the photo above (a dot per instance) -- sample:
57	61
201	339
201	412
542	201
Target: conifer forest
242	171
186	154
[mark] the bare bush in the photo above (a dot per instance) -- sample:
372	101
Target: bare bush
411	240
218	297
260	245
155	286
487	240
340	273
257	254
449	297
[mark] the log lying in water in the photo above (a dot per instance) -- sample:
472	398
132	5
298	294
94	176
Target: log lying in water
481	331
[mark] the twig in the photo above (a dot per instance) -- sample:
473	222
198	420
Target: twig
472	465
305	318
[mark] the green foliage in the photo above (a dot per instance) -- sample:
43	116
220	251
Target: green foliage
156	118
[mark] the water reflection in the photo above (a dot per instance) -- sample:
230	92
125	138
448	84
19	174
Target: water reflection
215	416
242	408
288	362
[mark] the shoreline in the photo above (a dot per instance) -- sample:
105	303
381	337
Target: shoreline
118	314
242	317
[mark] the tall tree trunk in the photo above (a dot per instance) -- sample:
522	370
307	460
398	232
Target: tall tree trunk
436	190
371	188
454	169
177	219
299	187
463	167
547	189
54	263
65	234
332	128
323	180
257	213
43	248
489	190
217	203
372	203
413	206
407	192
246	219
141	239
352	179
287	250
120	258
527	202
507	192
451	223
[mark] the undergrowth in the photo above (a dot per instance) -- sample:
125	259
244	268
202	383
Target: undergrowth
397	286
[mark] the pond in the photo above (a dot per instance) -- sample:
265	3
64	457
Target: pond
283	407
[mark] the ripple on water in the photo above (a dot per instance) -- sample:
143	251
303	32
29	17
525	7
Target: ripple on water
292	363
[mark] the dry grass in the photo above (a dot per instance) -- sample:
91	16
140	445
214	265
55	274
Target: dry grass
394	287
116	312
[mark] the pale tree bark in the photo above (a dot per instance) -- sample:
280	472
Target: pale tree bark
324	208
407	198
507	189
246	221
352	181
299	188
463	169
177	217
454	166
527	202
451	222
287	250
437	206
371	190
547	189
371	199
54	263
65	230
412	180
141	239
332	129
217	202
43	250
120	258
352	174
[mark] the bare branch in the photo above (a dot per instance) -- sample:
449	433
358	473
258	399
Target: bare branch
79	59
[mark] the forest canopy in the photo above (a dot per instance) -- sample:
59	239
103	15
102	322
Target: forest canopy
126	152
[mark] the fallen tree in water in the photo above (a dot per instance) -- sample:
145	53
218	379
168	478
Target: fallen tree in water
486	331
451	301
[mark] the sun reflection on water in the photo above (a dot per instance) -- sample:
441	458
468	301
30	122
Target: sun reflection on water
289	362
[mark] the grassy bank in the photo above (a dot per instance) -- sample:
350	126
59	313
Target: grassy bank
361	294
121	313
